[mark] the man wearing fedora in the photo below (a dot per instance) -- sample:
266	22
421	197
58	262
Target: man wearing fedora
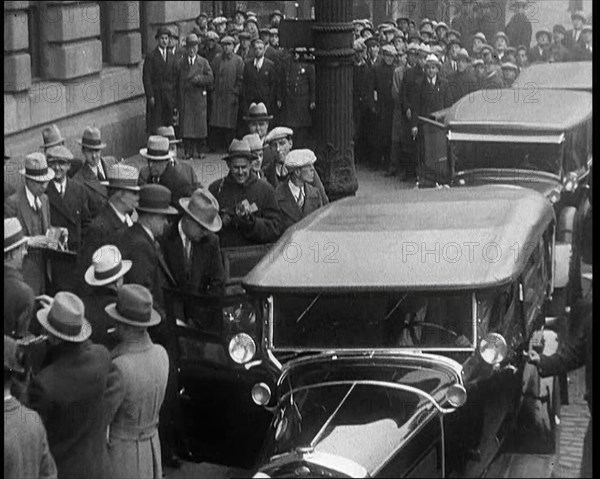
104	276
68	209
30	205
115	217
26	450
18	311
228	71
133	442
298	198
519	29
76	392
257	148
158	77
257	121
192	251
280	141
164	169
193	79
573	36
92	174
248	205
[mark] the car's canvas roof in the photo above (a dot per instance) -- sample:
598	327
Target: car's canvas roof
409	241
520	111
558	75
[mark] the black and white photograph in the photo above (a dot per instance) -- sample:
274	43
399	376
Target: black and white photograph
310	238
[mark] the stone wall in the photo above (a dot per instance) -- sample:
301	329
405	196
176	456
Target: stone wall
89	70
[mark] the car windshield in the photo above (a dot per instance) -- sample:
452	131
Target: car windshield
372	320
468	155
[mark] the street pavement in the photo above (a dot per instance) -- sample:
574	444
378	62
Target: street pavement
574	416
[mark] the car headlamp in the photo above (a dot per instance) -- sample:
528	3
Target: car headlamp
456	395
493	348
570	182
261	394
242	348
554	196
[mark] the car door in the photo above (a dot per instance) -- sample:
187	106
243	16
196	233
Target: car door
434	166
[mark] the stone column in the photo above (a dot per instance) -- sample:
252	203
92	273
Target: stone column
333	32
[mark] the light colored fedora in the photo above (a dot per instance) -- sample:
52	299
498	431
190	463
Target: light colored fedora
92	139
59	154
13	234
124	177
203	207
51	136
157	149
239	149
64	318
107	266
167	132
155	199
258	112
36	168
254	141
133	307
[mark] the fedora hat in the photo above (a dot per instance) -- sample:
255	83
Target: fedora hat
162	31
155	199
254	141
36	168
239	149
51	136
107	266
64	318
157	149
578	14
59	154
167	132
133	307
203	208
124	177
191	39
92	139
13	234
258	112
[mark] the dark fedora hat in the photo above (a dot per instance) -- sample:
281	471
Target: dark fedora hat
51	136
155	199
64	318
92	139
134	307
258	112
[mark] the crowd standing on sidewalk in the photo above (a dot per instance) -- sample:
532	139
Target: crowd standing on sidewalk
90	243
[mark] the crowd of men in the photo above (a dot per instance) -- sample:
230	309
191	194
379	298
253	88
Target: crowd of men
90	243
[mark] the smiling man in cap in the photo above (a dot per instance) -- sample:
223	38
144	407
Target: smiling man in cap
77	382
144	368
249	209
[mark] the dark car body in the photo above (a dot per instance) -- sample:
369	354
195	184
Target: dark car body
422	295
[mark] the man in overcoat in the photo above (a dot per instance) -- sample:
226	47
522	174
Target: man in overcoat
573	36
26	450
68	209
165	169
400	128
75	392
363	102
123	193
193	78
228	72
383	74
582	51
18	310
133	442
299	98
297	198
158	76
518	28
249	209
261	81
93	173
104	276
463	81
30	205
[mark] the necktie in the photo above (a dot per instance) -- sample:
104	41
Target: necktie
164	54
191	62
38	204
301	198
128	220
101	176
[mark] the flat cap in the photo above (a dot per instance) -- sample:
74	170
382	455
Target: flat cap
481	36
300	158
277	133
509	66
227	39
389	49
58	153
210	35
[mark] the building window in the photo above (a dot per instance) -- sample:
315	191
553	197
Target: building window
35	39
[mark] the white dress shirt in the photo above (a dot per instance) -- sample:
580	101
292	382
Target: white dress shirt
61	186
297	192
34	202
258	62
187	243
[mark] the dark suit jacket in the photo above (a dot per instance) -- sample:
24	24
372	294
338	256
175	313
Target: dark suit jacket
149	267
158	78
432	98
205	273
95	302
263	86
75	396
290	211
410	88
18	311
569	42
535	56
180	178
97	193
274	180
104	229
34	265
580	53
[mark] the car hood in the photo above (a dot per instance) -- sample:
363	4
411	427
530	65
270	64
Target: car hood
541	182
353	409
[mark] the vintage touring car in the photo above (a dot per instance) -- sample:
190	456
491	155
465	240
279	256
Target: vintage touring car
391	333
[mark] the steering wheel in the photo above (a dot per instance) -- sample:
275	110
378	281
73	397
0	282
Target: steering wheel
415	332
